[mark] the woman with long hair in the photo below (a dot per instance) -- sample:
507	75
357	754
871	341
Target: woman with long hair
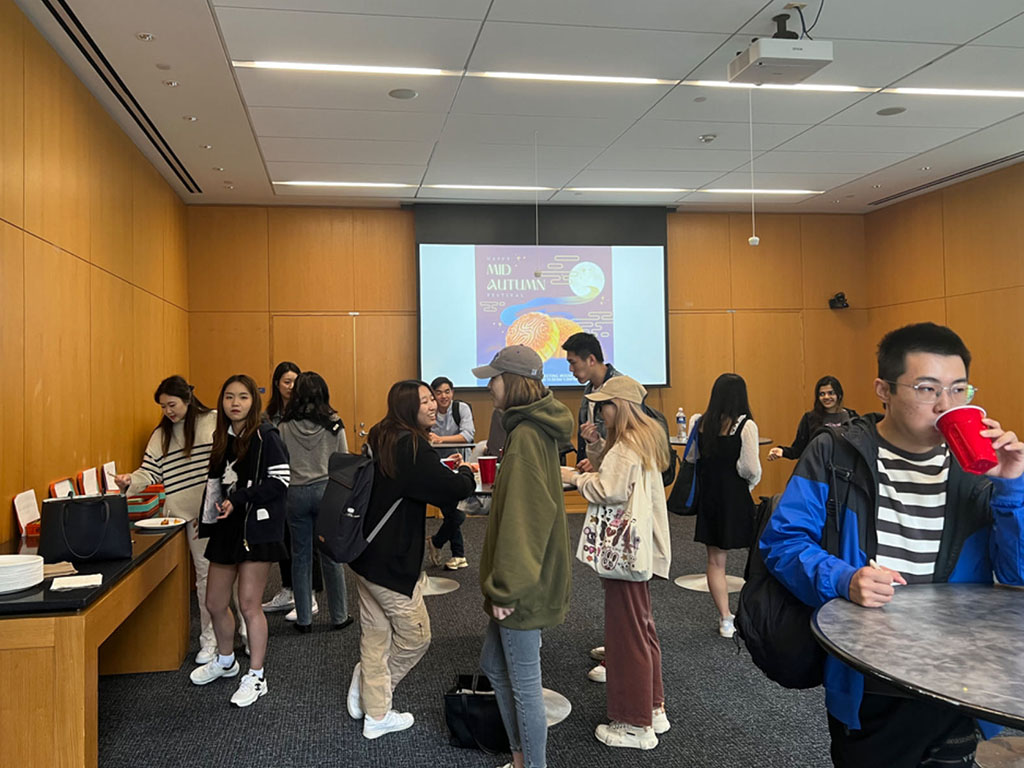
629	478
312	431
828	411
244	516
728	468
282	384
525	565
177	457
393	619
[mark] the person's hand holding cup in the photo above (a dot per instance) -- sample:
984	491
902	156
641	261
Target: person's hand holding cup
964	428
453	462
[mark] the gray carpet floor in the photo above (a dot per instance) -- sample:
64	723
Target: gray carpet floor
723	711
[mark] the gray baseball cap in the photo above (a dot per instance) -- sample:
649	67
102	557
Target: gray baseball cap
518	359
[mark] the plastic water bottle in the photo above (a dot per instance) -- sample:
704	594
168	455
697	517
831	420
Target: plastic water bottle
681	424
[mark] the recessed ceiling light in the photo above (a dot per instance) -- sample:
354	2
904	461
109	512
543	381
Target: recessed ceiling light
171	83
876	186
403	93
218	168
229	186
558	78
189	118
764	191
926	167
374	184
672	190
163	67
144	37
493	187
707	138
206	146
993	93
889	111
348	68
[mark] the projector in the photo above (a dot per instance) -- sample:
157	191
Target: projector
779	61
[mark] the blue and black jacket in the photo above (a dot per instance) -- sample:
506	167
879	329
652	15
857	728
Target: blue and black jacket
983	533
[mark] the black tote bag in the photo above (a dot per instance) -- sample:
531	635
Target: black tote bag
471	712
85	529
682	500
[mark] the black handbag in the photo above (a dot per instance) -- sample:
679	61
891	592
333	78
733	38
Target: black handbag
471	712
684	493
84	529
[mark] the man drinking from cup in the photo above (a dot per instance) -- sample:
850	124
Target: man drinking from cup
931	520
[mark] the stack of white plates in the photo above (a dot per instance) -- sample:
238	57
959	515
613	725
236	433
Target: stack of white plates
19	572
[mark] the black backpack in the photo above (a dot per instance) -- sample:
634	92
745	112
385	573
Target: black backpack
774	624
670	473
340	522
457	412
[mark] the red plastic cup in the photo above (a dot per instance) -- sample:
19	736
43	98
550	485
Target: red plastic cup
962	427
488	469
450	463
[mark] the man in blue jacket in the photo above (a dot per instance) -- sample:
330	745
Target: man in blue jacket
921	517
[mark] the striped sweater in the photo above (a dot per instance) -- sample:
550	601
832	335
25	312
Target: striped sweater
183	477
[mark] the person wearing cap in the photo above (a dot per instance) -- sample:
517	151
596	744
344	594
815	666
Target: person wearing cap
629	478
525	565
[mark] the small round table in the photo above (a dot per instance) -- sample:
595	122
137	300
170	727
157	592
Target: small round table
436	585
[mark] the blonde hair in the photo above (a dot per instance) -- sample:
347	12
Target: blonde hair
640	432
520	390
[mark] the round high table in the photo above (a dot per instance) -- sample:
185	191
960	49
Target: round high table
958	644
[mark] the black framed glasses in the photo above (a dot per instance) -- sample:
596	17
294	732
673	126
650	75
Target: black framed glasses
928	392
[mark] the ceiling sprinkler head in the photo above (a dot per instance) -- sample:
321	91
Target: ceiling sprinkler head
707	138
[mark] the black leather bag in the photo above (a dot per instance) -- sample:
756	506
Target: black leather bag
85	529
471	712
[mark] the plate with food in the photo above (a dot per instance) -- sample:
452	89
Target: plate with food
159	523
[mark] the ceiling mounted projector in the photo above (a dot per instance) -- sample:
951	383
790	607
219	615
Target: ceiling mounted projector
779	61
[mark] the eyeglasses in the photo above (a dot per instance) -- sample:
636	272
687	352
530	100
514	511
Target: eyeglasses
960	394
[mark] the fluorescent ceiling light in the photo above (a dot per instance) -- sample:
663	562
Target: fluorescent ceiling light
764	191
494	187
574	78
628	189
372	184
782	87
956	92
346	68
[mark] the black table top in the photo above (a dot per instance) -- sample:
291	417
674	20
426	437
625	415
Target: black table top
40	599
955	643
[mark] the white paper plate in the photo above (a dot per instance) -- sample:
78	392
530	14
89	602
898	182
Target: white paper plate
18	572
160	523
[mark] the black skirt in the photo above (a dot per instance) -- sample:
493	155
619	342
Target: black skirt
226	545
725	509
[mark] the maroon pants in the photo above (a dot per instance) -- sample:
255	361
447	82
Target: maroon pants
632	653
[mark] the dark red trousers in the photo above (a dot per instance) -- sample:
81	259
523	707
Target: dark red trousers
632	652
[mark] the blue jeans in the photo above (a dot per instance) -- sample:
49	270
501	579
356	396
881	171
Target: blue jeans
451	530
303	506
511	660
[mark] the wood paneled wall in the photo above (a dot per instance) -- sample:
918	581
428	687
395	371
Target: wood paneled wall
93	281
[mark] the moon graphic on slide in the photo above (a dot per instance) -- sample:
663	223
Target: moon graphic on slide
586	279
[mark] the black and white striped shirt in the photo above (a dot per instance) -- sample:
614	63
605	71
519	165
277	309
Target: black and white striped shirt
911	509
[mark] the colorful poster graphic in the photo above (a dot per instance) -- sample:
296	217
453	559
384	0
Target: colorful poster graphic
541	295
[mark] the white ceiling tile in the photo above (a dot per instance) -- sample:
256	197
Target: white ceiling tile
552	131
924	21
730	105
388	174
480	195
975	66
322	90
337	38
661	158
850	138
488	96
659	179
435	9
516	176
693	16
616	198
345	124
512	155
682	134
741	202
762	180
928	111
510	47
346	151
343	197
1010	34
823	162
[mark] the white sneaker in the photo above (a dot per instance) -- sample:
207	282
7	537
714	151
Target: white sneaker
618	734
293	614
206	654
211	671
597	654
725	626
249	689
355	700
453	564
659	720
282	601
598	674
392	722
